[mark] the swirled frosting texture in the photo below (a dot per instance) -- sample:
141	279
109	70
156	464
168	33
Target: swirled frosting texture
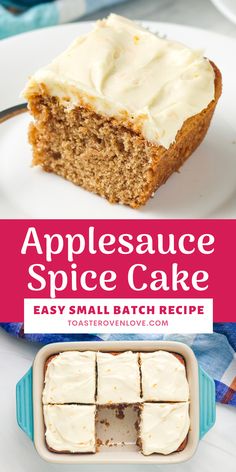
163	377
71	378
121	69
118	378
70	427
164	426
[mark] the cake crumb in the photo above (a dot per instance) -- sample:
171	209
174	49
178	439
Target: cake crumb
120	412
105	422
99	443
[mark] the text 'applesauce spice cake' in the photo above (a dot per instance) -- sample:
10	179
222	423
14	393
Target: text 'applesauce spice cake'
116	380
120	110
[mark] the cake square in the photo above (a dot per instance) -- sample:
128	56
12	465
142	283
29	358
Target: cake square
163	427
118	378
70	428
70	377
121	110
163	377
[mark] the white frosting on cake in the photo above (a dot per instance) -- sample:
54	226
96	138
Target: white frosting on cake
120	67
71	378
163	377
163	427
118	378
70	427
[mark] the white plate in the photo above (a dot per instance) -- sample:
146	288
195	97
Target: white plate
205	186
227	8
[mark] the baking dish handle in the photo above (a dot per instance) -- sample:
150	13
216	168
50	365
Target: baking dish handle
24	404
207	402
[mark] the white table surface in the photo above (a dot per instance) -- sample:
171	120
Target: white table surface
216	452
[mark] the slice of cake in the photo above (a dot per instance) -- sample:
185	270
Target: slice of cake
70	377
163	427
118	378
70	428
163	377
120	110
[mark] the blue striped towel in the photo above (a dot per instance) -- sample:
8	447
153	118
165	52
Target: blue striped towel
32	14
215	352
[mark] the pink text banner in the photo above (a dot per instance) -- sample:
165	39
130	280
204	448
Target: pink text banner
117	259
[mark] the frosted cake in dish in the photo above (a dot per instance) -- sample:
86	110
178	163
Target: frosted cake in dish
79	383
120	110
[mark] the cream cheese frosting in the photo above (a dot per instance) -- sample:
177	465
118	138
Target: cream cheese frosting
163	377
70	427
120	69
71	378
118	378
163	427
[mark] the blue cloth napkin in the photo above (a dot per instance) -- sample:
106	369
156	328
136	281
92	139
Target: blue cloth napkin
41	13
215	352
21	5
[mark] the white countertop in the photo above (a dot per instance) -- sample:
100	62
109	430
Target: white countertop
197	13
216	451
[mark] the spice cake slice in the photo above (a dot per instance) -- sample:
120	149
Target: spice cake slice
163	377
70	428
118	378
70	377
163	427
120	110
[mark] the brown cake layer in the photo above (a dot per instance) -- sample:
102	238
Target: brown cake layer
180	448
105	155
48	362
67	452
179	357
